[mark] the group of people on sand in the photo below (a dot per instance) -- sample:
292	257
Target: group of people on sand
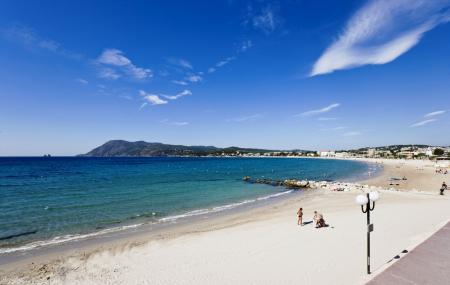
318	219
441	171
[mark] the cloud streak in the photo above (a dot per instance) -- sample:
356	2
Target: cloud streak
82	81
194	78
423	123
180	82
115	61
183	63
351	134
327	119
179	95
245	45
435	113
30	39
245	118
151	99
174	123
265	19
221	64
160	99
380	32
320	111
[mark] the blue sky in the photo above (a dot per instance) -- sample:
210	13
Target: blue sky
284	74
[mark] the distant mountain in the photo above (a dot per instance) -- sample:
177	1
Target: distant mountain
142	148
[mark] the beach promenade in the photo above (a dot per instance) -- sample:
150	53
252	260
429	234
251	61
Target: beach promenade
428	263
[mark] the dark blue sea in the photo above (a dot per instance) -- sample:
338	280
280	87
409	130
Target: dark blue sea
58	199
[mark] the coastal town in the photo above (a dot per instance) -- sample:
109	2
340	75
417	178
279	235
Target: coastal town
390	152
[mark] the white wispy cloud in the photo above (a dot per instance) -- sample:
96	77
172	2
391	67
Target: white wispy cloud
143	105
423	123
116	58
139	72
225	61
180	62
180	82
184	68
194	78
245	45
152	99
320	111
160	99
108	73
82	81
245	118
380	32
126	97
435	113
352	134
30	39
221	64
339	128
265	19
174	123
327	119
179	123
186	64
179	95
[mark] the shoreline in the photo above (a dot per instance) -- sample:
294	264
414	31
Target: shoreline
63	241
168	225
237	222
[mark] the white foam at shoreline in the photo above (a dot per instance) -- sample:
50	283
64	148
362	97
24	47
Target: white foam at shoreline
63	239
220	208
68	238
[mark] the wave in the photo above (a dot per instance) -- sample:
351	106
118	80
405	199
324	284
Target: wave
76	237
220	208
64	239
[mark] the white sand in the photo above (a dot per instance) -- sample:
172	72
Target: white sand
420	175
263	246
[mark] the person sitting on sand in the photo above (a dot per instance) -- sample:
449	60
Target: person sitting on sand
300	217
443	188
318	218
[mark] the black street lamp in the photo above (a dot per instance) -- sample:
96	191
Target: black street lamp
365	200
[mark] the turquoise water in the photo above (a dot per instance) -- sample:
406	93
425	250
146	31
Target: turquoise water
50	200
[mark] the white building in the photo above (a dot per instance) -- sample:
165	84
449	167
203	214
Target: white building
326	153
371	152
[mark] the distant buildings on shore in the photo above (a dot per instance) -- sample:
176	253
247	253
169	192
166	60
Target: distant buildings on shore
393	152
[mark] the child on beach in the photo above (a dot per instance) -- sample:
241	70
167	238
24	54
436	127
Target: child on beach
300	217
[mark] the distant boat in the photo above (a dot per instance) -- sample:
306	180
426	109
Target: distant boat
47	155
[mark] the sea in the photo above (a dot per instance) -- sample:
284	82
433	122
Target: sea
52	200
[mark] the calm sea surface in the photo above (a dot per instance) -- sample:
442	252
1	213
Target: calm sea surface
51	200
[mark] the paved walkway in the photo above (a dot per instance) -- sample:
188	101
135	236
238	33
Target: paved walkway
428	263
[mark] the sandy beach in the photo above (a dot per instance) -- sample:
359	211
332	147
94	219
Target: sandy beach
264	245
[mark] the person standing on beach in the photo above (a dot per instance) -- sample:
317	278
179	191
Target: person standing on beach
443	188
300	217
